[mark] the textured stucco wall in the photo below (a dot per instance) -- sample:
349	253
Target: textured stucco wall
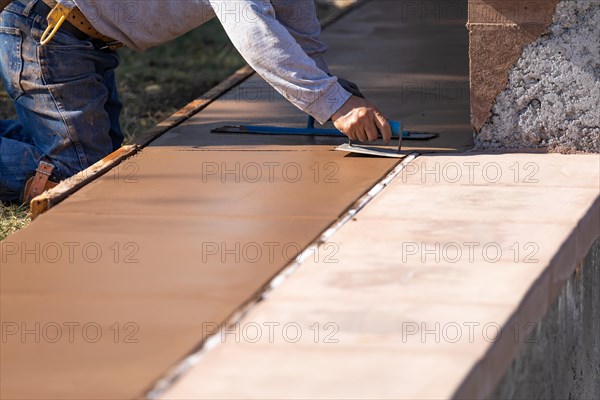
552	98
498	32
562	360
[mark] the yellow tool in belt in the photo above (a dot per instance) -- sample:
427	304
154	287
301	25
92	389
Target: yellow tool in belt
56	17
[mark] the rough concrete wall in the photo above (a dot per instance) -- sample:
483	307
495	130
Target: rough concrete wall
498	31
562	360
552	99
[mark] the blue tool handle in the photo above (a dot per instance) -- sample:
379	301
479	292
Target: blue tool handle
396	126
310	130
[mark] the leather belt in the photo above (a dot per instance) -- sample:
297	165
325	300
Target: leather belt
39	183
78	26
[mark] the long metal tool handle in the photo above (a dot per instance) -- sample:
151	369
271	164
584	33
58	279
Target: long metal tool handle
310	130
396	127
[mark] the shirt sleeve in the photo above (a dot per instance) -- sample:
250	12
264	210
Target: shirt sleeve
299	17
272	51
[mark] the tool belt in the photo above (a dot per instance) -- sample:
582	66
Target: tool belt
72	21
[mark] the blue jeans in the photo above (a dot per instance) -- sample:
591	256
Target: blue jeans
65	96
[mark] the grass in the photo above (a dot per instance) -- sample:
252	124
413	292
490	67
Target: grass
12	218
155	84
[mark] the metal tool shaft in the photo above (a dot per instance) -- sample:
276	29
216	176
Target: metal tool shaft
310	130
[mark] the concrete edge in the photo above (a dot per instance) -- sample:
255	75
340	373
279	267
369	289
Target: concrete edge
562	357
158	388
54	196
485	375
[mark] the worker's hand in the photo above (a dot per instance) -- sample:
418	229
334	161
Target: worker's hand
360	120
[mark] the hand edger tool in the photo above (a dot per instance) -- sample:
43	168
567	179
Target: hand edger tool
310	130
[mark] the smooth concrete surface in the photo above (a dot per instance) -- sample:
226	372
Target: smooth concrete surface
232	184
105	293
172	240
561	358
430	291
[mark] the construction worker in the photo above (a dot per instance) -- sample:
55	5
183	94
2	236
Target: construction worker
59	61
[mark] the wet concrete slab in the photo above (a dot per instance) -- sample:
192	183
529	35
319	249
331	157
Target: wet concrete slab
433	289
135	290
172	242
109	290
316	183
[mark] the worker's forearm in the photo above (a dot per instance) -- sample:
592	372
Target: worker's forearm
273	52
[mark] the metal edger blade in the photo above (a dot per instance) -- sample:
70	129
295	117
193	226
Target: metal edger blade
370	150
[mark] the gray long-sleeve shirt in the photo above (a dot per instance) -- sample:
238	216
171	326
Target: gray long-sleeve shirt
278	38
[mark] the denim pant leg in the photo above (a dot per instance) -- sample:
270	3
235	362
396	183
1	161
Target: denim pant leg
65	97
